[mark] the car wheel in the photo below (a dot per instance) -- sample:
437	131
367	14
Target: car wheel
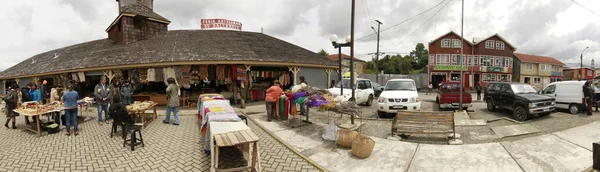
490	105
520	113
381	114
573	108
370	100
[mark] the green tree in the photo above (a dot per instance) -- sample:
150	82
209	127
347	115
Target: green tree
420	55
371	67
323	53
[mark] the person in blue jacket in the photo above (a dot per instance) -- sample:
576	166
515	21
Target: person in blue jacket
34	95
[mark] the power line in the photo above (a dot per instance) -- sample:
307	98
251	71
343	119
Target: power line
367	7
585	8
425	22
403	21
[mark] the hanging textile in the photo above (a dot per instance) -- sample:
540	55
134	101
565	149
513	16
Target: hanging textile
178	71
151	75
212	72
203	72
220	72
241	74
186	68
159	75
74	77
81	76
144	76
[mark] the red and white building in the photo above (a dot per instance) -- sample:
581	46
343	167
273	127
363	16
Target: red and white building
487	60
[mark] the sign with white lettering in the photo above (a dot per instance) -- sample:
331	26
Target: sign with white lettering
220	23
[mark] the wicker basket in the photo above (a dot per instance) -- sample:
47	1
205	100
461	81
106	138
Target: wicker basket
345	138
362	146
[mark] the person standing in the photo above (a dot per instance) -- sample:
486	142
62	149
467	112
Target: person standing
430	88
103	96
172	101
271	98
43	94
55	98
587	94
127	93
115	89
478	88
70	98
303	80
13	99
34	95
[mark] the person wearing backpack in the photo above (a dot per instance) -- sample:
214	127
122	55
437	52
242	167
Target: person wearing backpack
11	101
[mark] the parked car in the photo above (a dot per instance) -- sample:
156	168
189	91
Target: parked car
364	93
398	94
449	96
377	88
568	95
521	99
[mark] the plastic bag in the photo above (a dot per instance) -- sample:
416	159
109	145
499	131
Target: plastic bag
330	132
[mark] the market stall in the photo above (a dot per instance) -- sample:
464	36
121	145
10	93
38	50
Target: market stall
221	127
35	110
138	109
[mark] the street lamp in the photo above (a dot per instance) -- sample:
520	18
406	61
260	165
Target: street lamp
333	38
581	69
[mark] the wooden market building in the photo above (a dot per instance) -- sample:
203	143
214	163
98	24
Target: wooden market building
140	48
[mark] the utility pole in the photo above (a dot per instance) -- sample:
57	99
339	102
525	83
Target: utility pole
462	39
377	57
352	81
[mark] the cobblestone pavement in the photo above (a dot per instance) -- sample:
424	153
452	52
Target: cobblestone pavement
167	148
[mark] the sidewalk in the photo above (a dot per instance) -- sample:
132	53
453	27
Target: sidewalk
565	151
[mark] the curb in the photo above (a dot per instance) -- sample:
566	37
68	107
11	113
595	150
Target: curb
285	144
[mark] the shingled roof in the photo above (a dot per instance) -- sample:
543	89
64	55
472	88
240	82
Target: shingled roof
171	48
142	10
537	59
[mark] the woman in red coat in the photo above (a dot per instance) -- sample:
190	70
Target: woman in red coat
271	98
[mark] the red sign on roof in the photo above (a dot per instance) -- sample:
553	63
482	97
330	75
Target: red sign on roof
220	23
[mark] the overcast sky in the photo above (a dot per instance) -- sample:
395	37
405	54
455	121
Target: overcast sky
557	28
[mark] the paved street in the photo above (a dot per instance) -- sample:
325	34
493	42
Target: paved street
167	148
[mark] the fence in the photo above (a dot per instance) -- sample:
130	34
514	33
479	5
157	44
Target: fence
421	80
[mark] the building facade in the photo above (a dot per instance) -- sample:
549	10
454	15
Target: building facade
537	70
487	60
360	66
572	70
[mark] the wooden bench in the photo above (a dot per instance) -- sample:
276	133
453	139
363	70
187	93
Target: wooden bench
410	122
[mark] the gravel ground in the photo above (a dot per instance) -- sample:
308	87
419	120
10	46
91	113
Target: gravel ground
378	127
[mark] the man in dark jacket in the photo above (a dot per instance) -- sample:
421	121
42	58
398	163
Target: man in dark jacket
587	94
103	96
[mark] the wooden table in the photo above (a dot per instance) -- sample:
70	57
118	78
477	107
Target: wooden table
142	114
37	120
225	134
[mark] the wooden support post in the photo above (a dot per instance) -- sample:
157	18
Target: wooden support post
294	70
4	84
17	80
109	74
328	71
36	79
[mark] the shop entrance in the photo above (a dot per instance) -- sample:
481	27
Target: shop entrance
437	78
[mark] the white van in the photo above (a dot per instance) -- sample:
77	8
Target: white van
568	95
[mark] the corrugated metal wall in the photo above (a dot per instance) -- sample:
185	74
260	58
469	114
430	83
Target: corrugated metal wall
316	77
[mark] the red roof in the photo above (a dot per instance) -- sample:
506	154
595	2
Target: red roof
537	59
336	57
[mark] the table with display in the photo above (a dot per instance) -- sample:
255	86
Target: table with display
37	116
141	113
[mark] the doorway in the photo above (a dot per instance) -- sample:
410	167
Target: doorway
476	78
437	78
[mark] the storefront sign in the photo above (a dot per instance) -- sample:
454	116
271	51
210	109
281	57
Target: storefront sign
494	69
220	23
449	67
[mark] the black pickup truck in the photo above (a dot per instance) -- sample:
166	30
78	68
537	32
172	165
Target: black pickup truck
520	98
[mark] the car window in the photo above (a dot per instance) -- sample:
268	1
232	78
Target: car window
450	87
497	87
506	88
368	84
400	85
550	89
362	85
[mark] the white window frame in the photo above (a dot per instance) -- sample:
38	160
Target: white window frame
499	61
537	80
556	68
525	79
472	60
528	66
442	59
455	59
431	59
456	43
499	77
491	76
446	43
489	44
589	72
506	62
499	45
486	59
